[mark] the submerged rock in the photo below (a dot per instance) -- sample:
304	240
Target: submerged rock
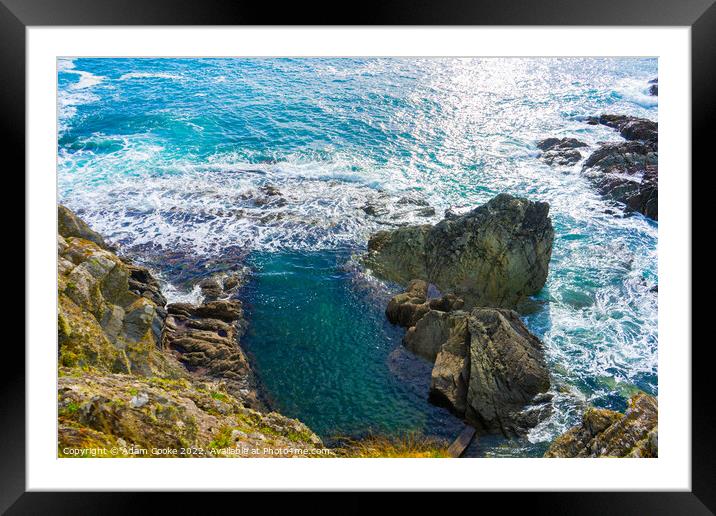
393	211
605	433
494	255
560	151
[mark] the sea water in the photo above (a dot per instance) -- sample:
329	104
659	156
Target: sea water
165	157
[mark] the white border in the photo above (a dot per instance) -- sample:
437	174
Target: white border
670	471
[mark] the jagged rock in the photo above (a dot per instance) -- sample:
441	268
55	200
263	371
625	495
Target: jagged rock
654	88
70	225
428	335
494	255
222	285
111	322
630	127
102	321
143	283
560	151
624	157
507	369
627	173
488	368
406	309
270	190
393	211
451	373
205	338
605	433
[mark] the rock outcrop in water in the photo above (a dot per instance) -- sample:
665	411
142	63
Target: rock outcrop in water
630	127
488	368
654	88
560	151
627	172
135	375
605	433
495	255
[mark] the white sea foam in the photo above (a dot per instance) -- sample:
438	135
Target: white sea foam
76	93
637	92
148	75
599	319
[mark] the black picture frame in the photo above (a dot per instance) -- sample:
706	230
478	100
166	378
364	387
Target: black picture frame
17	15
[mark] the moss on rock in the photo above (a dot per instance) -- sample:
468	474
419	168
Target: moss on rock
605	433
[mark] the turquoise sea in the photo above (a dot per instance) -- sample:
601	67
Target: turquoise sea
166	158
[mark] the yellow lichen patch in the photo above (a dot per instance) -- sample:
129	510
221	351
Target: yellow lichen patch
82	342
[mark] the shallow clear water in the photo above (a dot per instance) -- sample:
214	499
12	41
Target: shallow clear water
166	156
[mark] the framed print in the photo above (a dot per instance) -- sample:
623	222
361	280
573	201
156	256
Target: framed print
417	250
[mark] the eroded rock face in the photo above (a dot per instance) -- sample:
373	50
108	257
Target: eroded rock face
205	338
507	369
560	151
605	433
488	368
495	255
103	322
627	172
407	308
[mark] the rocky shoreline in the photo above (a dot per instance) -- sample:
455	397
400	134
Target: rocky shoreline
138	378
625	172
137	373
488	368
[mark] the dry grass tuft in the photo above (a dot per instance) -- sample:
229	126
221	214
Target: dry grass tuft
411	445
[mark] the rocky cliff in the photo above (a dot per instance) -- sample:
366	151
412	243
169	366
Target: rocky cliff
495	255
138	378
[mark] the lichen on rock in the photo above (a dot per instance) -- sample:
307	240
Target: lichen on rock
606	433
134	375
495	255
